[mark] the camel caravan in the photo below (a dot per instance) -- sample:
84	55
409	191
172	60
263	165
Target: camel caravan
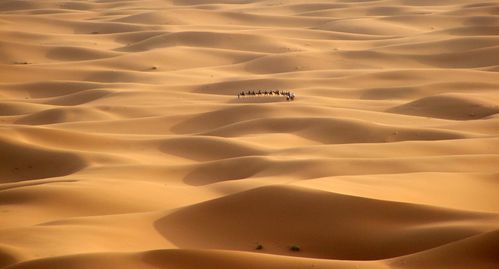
290	96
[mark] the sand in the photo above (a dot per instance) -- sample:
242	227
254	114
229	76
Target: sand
123	144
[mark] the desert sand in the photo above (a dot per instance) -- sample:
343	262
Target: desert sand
123	143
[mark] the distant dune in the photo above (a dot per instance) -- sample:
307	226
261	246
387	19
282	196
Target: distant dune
123	143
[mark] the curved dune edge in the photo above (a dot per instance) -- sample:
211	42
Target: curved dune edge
25	162
476	251
208	148
455	107
7	257
58	115
175	258
277	217
333	131
247	167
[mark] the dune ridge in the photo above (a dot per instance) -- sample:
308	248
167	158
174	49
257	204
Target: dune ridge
123	143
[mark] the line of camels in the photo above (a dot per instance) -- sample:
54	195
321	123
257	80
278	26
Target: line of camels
290	96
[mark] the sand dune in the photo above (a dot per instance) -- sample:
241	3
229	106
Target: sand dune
330	131
187	259
476	251
123	143
24	162
57	115
243	221
449	107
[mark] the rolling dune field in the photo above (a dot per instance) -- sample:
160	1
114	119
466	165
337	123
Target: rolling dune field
123	143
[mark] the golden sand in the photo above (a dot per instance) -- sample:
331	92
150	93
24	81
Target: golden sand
123	143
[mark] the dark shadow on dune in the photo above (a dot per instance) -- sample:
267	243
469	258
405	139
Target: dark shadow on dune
15	108
389	93
261	166
218	118
134	37
57	88
236	121
481	30
88	27
481	21
78	54
332	130
8	186
466	253
25	162
447	106
6	258
485	4
326	225
17	5
476	58
117	76
77	6
199	2
61	115
78	98
207	148
311	7
207	39
225	170
387	11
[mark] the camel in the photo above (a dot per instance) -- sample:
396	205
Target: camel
290	96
